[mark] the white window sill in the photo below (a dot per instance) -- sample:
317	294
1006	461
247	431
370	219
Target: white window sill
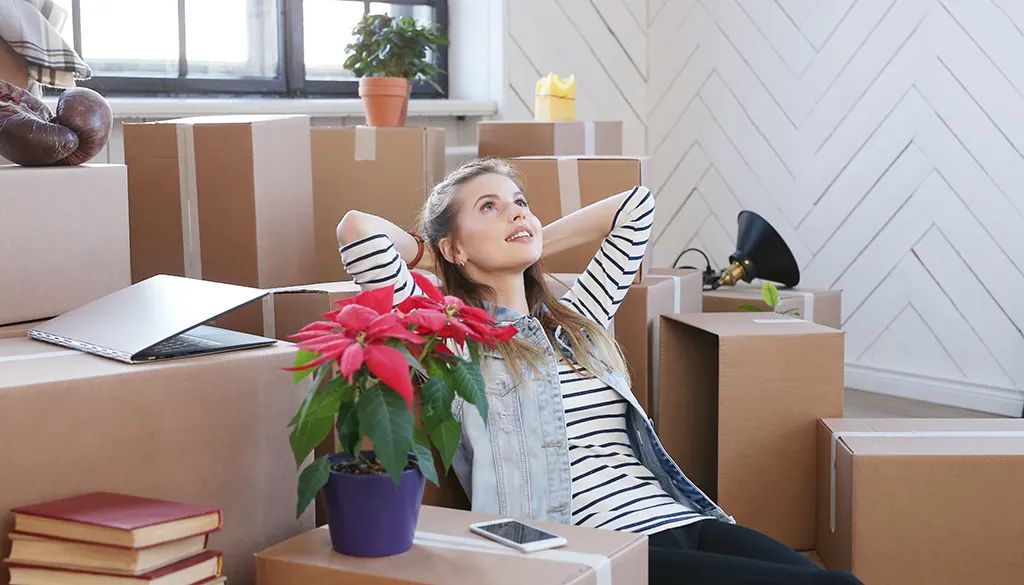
169	107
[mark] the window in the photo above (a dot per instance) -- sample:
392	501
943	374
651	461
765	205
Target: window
283	47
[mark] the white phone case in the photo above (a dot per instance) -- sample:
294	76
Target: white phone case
528	547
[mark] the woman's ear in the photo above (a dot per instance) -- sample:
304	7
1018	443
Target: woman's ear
448	249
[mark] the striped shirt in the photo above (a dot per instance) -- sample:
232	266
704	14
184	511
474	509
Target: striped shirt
611	489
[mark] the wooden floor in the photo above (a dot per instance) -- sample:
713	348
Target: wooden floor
860	404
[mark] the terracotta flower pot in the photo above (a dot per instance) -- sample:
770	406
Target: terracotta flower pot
385	99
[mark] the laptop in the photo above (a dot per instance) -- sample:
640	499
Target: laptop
156	319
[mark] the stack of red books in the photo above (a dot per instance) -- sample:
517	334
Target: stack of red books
106	538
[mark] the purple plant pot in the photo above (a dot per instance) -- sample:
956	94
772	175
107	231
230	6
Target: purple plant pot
368	515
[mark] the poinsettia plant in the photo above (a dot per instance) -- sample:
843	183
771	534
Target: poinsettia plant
373	365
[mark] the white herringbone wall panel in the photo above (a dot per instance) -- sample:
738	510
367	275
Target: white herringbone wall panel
603	42
883	138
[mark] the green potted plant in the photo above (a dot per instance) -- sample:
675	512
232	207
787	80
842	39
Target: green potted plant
770	296
387	55
372	366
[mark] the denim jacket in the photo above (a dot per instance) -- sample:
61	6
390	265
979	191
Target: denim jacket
517	464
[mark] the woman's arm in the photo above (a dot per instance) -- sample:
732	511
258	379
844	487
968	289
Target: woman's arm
376	253
357	225
583	225
602	286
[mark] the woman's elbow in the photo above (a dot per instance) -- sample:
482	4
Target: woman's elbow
351	227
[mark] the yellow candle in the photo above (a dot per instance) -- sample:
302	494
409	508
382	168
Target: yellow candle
555	99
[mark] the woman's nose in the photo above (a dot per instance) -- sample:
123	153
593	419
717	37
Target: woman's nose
517	213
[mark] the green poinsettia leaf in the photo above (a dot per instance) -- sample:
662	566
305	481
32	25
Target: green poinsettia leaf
469	384
348	430
445	437
437	397
302	357
312	479
307	434
424	457
315	383
385	419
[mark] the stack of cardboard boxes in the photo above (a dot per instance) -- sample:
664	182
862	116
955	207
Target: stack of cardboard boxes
224	198
749	404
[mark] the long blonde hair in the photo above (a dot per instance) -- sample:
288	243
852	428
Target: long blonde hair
593	346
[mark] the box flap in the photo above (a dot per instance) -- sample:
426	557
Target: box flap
751	324
905	436
344	286
25	362
447	552
228	119
748	291
581	157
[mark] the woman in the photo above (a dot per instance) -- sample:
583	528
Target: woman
566	440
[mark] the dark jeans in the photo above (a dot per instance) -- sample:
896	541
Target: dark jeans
710	552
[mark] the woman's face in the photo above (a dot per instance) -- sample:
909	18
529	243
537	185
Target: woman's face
495	230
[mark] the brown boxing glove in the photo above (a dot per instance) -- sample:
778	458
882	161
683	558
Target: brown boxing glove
89	116
31	136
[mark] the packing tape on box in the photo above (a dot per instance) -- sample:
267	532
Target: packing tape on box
189	191
366	143
41	355
269	317
840	435
601	564
677	283
568	184
808	313
589	138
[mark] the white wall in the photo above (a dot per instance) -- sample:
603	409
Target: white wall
883	138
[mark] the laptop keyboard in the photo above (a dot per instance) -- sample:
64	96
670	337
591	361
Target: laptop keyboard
180	345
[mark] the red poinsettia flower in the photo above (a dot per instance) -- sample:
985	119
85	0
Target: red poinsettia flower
356	334
449	317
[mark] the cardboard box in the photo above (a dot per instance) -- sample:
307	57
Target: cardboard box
507	139
557	186
211	430
691	287
65	238
225	198
740	395
384	171
18	329
13	67
447	553
817	305
933	501
638	333
290	308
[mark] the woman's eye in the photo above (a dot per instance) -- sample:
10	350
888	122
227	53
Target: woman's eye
488	206
522	203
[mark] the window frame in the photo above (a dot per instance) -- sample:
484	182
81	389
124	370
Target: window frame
290	79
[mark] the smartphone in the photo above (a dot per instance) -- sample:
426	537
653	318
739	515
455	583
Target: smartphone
517	535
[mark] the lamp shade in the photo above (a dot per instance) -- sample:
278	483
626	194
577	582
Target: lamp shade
763	252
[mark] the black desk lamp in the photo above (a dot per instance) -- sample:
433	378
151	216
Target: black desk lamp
760	253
